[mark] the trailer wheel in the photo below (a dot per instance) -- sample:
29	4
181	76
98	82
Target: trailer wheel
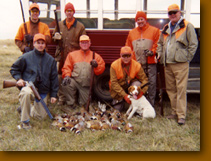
101	86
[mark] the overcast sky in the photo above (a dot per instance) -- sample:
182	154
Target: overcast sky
11	16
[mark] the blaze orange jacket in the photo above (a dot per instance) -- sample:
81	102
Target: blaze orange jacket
118	78
141	39
77	65
32	28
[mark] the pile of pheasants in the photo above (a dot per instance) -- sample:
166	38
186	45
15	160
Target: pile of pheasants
96	119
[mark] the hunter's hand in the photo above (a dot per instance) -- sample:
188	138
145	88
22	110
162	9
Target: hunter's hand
148	52
21	83
126	98
94	63
57	36
28	38
158	57
53	100
66	81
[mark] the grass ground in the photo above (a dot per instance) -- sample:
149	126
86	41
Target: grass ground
159	134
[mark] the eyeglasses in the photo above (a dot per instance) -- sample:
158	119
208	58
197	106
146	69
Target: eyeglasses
172	12
126	55
35	11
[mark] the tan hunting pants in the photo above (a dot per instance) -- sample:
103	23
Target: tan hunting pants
176	77
71	90
29	107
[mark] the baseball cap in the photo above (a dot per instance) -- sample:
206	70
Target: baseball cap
173	7
125	50
34	5
39	36
84	38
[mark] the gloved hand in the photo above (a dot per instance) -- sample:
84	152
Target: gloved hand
66	80
57	36
27	49
94	63
127	99
28	38
148	52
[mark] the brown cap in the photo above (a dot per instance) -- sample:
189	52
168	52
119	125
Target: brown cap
39	36
140	14
173	7
125	50
84	38
69	6
34	5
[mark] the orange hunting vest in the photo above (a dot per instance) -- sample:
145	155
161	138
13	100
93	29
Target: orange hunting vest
134	68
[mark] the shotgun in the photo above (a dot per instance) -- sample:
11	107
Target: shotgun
27	36
57	21
10	83
37	95
160	89
59	48
91	85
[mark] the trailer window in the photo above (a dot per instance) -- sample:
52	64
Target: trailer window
86	13
117	15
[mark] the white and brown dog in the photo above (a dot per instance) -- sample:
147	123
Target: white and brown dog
140	105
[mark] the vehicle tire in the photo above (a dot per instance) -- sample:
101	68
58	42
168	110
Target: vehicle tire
101	86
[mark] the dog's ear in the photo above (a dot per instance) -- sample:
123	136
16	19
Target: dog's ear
130	88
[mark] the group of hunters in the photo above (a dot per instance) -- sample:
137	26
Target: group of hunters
69	79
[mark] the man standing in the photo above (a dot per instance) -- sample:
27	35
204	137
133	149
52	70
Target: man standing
40	68
143	41
125	72
25	40
76	72
70	32
176	47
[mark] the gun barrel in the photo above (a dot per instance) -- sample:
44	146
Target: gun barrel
9	83
37	95
57	21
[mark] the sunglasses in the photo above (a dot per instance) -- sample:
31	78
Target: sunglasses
35	11
126	55
172	12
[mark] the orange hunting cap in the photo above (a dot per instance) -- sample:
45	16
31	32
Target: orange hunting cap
69	6
125	50
34	5
84	38
173	7
39	36
140	14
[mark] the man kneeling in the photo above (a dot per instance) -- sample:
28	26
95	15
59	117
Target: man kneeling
125	72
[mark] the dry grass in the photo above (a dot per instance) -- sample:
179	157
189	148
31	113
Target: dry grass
158	134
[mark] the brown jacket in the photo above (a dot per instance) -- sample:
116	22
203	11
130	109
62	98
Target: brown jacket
70	39
118	78
32	28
